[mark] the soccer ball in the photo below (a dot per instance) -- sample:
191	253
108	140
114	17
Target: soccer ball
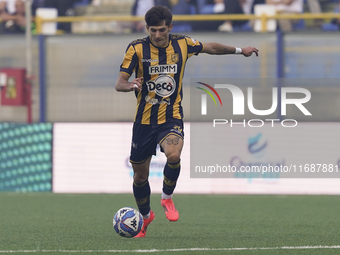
128	222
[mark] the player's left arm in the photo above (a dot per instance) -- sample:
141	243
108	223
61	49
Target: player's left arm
221	49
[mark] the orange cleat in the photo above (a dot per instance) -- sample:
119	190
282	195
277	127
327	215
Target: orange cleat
170	211
146	223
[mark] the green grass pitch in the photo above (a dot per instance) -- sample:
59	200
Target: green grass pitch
46	223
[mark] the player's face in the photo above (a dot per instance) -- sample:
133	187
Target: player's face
159	35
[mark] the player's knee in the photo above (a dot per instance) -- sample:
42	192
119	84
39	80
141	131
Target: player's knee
138	179
173	157
140	174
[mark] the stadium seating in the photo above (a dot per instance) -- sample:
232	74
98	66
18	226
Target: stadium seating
331	26
106	8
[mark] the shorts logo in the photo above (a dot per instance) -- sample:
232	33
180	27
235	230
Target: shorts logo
162	69
163	85
177	129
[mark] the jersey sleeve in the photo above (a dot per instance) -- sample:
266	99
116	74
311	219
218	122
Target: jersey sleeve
194	47
130	60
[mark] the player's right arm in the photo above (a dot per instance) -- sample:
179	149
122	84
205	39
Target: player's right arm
123	84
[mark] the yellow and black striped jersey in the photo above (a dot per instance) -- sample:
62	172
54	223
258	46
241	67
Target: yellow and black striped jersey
162	68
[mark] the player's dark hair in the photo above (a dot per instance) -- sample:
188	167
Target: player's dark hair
157	15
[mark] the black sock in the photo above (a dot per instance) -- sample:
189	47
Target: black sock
142	192
171	173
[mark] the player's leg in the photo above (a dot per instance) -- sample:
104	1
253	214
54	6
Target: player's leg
141	187
171	144
172	147
142	192
143	146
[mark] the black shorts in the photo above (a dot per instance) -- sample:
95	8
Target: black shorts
146	137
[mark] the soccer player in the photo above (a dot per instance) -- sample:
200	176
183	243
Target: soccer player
158	62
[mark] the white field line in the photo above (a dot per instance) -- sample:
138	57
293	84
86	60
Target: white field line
176	250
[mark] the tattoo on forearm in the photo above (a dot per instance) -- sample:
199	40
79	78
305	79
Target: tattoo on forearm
224	49
229	50
173	141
